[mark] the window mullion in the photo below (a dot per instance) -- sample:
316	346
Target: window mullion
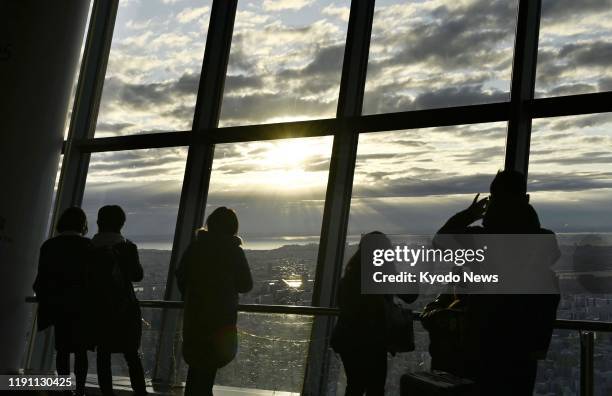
523	84
197	175
339	190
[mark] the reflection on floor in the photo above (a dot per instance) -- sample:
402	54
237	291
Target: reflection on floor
121	387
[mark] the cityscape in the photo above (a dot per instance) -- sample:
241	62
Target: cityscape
273	348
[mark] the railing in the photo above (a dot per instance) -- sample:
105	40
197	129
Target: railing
587	329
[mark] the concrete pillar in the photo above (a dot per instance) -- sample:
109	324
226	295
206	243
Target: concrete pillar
40	42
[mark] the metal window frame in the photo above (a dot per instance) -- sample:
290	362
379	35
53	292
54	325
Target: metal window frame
197	176
82	126
519	112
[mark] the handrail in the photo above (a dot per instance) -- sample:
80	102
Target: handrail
563	324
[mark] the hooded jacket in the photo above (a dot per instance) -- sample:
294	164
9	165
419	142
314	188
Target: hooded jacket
210	275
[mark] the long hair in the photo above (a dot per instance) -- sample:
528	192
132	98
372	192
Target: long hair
353	266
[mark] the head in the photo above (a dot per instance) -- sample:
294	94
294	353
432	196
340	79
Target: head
354	263
111	218
509	185
72	220
223	221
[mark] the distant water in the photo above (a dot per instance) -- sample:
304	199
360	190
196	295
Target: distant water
269	243
261	243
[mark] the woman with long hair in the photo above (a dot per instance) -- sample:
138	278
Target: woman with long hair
61	288
360	333
211	274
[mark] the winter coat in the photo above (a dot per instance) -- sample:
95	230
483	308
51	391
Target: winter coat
61	287
118	319
210	275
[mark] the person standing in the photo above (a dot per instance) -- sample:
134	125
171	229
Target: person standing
115	266
506	333
61	287
360	335
212	272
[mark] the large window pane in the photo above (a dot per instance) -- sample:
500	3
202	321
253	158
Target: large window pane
428	54
570	173
154	67
147	185
408	183
285	61
570	184
411	182
575	49
151	326
278	190
272	352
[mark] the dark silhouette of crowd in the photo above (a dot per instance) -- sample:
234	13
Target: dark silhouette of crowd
493	342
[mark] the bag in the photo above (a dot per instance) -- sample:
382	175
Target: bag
399	331
435	383
114	288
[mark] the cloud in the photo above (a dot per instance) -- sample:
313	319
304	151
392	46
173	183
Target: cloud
191	14
595	53
558	9
340	12
281	5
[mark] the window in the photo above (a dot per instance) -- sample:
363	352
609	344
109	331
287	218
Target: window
574	55
154	67
147	185
413	181
570	185
277	189
285	61
426	54
285	64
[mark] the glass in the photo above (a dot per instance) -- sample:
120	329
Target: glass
147	185
76	75
278	191
559	373
272	351
430	54
408	183
154	67
151	328
411	182
574	48
570	184
602	365
285	62
398	365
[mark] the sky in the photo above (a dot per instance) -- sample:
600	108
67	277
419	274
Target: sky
285	64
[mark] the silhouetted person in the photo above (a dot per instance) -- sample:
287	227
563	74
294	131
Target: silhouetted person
212	272
507	334
116	266
62	290
359	335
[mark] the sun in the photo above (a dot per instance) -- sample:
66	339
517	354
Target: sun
287	164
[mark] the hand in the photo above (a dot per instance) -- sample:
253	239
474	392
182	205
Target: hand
477	209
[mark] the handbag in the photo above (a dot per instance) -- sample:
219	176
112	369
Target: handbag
399	330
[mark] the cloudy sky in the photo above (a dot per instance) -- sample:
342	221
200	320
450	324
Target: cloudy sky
285	64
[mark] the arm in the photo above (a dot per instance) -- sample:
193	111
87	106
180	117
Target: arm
40	283
460	221
244	279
